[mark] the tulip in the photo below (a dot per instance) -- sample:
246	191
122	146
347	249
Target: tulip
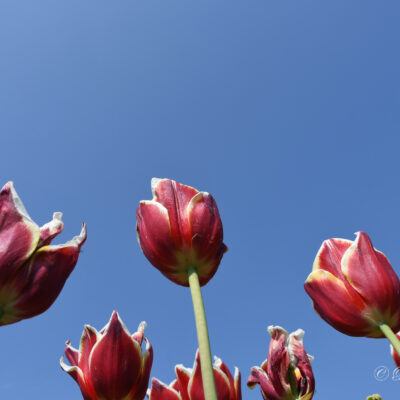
110	364
180	228
180	233
354	288
286	374
188	384
32	272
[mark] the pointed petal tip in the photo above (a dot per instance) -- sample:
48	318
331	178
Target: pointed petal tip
275	329
154	183
298	334
142	326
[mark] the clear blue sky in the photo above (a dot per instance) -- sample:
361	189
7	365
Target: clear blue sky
286	111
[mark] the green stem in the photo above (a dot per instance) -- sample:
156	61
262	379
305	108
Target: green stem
207	374
387	331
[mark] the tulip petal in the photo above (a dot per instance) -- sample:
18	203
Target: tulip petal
259	376
175	197
139	392
371	274
278	360
330	254
234	382
395	355
237	384
50	230
207	234
300	360
45	275
154	235
71	354
182	380
195	387
205	224
88	340
333	303
77	375
160	391
115	361
19	235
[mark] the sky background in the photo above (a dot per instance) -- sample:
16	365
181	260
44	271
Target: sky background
286	111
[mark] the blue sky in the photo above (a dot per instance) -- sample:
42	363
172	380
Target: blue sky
286	111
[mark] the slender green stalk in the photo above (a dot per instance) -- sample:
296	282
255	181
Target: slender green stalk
210	392
387	331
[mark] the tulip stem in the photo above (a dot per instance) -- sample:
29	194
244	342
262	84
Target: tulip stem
207	374
387	331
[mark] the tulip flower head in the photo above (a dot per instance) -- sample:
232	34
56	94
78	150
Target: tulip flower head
286	374
110	364
180	228
189	385
32	272
354	288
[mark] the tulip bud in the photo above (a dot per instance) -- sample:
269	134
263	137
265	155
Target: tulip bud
32	273
110	364
286	374
354	288
189	385
180	228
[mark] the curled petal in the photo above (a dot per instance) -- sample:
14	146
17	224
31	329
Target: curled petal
71	354
259	376
50	230
333	303
19	235
45	275
278	360
76	374
115	361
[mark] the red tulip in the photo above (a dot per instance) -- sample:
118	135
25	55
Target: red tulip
189	384
354	288
180	228
32	273
286	374
110	364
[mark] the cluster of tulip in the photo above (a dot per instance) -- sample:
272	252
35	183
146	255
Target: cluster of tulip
352	286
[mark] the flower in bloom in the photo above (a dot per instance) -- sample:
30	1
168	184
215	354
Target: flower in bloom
110	364
286	374
395	355
32	272
180	228
189	384
354	288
